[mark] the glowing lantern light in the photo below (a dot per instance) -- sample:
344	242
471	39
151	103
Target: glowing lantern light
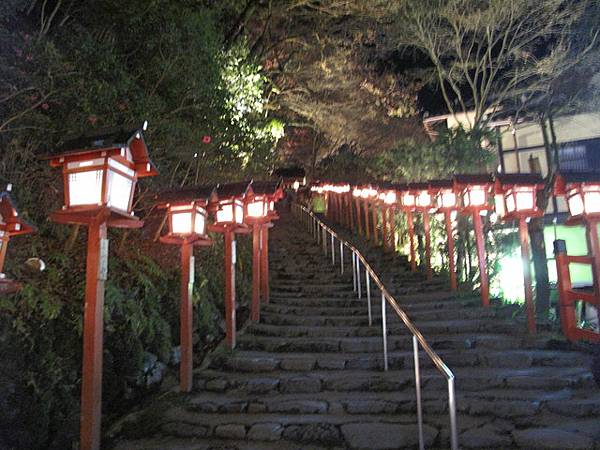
446	202
390	198
101	171
474	190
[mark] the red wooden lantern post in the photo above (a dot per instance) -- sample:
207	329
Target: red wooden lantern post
408	205
423	203
367	194
516	199
389	201
260	212
100	173
582	192
474	191
446	202
357	194
187	219
228	203
11	225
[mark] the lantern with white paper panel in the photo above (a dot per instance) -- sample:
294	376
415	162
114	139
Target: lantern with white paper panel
228	202
516	195
407	198
582	193
423	199
444	196
11	225
474	191
100	171
267	193
187	214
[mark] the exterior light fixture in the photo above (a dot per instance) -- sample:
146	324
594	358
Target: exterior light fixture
100	172
516	199
186	213
11	225
474	191
446	202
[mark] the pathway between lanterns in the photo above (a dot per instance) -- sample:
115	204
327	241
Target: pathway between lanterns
309	375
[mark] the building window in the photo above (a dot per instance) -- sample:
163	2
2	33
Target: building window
582	156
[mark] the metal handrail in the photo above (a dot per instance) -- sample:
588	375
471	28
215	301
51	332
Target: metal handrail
319	231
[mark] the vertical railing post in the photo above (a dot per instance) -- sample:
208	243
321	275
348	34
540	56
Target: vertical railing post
354	284
368	286
324	240
341	257
427	232
358	277
452	408
384	332
418	390
332	250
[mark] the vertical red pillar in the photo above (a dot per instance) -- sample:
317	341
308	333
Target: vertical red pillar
568	317
93	319
591	230
374	209
367	234
392	220
229	288
524	238
427	230
480	242
451	263
3	245
411	236
384	227
186	317
358	214
256	263
350	217
264	268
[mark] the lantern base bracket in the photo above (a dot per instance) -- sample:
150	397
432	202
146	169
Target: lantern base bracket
88	215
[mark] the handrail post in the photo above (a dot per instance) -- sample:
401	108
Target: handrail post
368	283
384	331
418	389
341	257
324	240
354	284
332	250
452	408
358	277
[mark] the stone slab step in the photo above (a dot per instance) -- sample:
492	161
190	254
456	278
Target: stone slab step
253	361
427	328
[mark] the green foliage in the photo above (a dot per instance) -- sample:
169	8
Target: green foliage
96	64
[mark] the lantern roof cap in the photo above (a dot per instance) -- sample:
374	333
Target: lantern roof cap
418	186
109	139
400	186
265	187
477	179
524	179
289	172
563	179
185	194
441	184
230	190
9	214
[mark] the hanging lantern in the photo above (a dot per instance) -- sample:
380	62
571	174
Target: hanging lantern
228	202
443	192
187	214
582	192
516	194
100	172
474	191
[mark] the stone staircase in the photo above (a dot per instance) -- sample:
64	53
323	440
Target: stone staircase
309	375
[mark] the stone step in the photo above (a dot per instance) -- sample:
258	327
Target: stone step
394	328
297	318
255	361
486	382
328	314
374	344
